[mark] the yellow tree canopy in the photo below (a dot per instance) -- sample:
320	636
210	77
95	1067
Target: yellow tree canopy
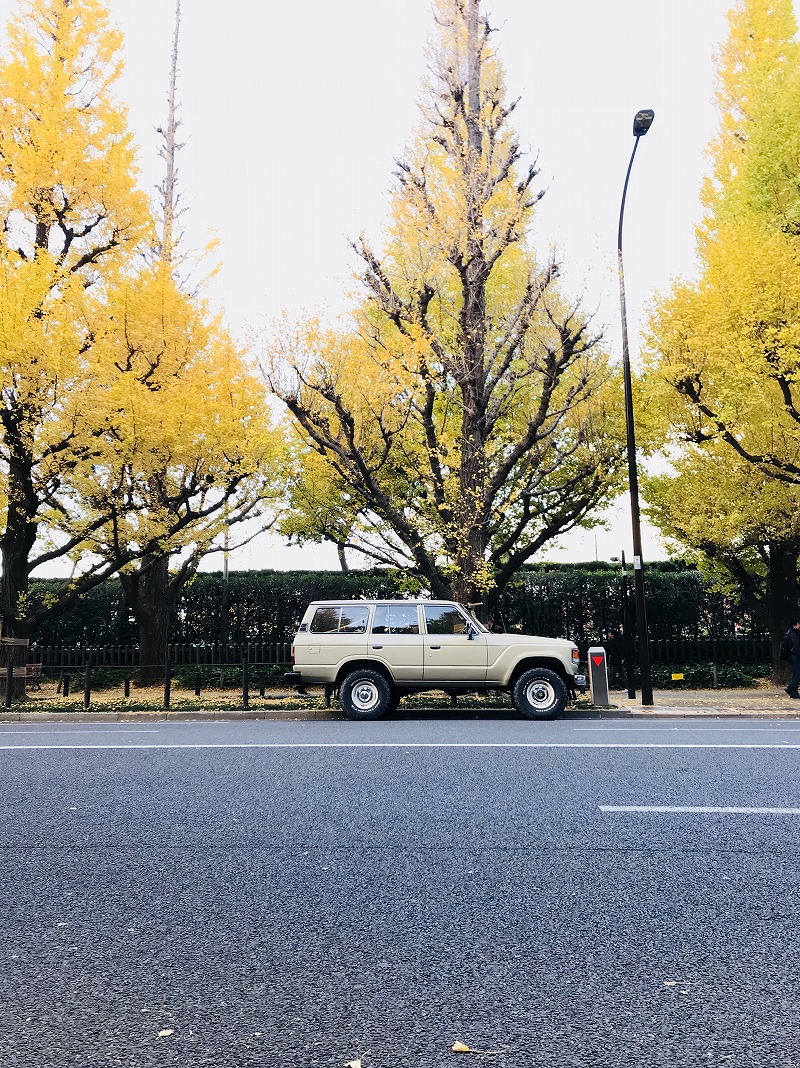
71	219
190	446
724	361
759	54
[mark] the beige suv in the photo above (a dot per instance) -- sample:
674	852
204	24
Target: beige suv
374	652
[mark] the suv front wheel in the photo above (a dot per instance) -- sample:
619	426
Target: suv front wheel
365	694
539	694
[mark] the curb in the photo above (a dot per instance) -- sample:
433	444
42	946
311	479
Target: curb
323	715
158	717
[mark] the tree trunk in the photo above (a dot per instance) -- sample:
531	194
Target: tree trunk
16	545
781	601
471	537
150	596
342	558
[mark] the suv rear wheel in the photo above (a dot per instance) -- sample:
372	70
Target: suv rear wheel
365	694
539	694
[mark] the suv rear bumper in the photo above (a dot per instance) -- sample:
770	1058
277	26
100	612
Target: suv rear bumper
293	678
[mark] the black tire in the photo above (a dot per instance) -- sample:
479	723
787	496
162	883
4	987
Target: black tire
365	694
539	694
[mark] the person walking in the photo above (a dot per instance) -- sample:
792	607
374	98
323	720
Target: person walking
792	642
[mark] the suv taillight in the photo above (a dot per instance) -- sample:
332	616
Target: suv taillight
575	657
292	655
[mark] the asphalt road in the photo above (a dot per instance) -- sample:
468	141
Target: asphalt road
253	894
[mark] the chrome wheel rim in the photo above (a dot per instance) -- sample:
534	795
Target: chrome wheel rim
540	694
364	695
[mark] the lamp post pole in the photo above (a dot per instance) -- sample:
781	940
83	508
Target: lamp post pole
627	631
641	124
627	624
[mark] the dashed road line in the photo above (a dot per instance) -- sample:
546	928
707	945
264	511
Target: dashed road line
703	809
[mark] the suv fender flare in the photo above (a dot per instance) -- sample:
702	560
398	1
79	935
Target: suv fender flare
362	664
551	663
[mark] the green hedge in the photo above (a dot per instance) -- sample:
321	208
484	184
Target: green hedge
580	601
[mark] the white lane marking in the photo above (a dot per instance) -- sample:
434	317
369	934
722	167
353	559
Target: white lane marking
419	745
72	730
693	730
702	809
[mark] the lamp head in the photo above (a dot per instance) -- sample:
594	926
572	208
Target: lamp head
642	121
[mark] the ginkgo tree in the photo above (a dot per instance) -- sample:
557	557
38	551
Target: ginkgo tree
467	411
71	214
725	349
190	450
133	428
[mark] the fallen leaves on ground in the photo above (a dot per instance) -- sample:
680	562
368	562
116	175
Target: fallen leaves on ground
462	1047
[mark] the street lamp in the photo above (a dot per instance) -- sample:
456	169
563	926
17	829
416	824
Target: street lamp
641	124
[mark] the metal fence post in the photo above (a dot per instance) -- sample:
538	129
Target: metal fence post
87	681
245	684
167	675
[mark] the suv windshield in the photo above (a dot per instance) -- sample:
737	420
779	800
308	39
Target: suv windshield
474	620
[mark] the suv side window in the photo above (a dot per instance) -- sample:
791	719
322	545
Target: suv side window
325	621
351	619
395	619
354	619
444	619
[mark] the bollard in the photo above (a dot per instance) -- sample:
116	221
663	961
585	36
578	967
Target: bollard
598	675
65	686
10	681
261	686
197	672
126	688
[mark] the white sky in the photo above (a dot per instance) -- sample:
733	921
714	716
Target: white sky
293	115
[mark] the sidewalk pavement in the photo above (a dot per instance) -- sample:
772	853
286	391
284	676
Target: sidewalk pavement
761	702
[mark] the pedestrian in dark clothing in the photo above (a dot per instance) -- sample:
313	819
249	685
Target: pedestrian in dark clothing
615	659
792	639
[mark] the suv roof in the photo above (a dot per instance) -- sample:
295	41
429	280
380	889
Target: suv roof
390	600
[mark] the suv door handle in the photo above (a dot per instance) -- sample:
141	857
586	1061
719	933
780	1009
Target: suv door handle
434	647
377	646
